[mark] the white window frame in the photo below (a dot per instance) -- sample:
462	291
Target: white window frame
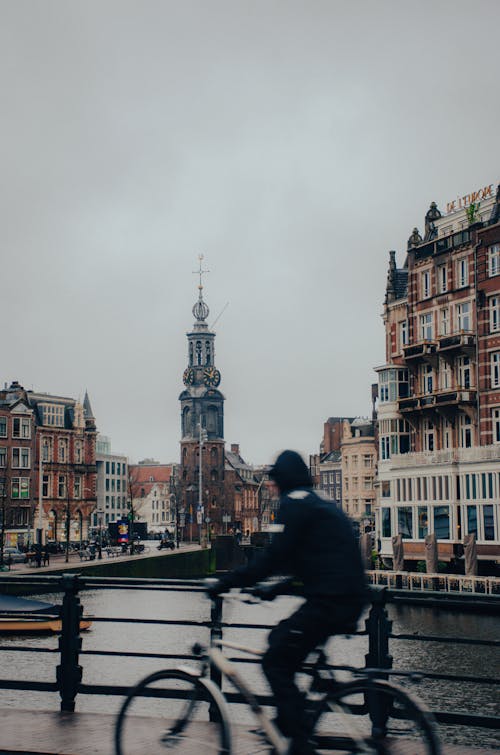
464	317
464	431
3	427
426	327
495	369
24	429
494	307
462	272
23	457
426	284
403	333
444	321
3	456
444	375
442	279
429	435
493	260
427	379
464	371
495	417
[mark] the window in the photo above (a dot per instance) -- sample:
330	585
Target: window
463	317
3	427
442	522
62	450
495	369
385	448
471	519
107	467
61	486
427	379
367	483
495	415
426	329
494	314
46	450
78	452
442	279
462	273
21	427
444	375
464	372
20	487
20	458
428	435
52	414
77	489
403	334
386	522
367	461
423	522
3	456
405	522
494	260
45	486
112	467
444	322
465	431
426	284
489	527
447	434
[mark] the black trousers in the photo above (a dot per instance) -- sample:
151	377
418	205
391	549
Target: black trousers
290	642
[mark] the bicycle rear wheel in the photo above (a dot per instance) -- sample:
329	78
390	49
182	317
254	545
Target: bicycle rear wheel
173	710
375	717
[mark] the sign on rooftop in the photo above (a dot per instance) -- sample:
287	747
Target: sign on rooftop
460	203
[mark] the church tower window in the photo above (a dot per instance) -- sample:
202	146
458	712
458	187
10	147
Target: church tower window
198	353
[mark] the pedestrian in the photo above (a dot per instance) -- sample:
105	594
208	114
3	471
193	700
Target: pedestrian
46	555
38	555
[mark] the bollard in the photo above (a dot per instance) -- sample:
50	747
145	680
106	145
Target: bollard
69	672
378	627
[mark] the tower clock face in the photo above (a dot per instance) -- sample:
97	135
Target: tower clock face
188	376
211	376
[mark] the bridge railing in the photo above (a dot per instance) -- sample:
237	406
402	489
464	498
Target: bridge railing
449	583
70	656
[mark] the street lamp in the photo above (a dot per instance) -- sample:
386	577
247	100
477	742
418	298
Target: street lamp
203	437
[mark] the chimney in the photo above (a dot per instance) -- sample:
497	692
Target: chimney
235	448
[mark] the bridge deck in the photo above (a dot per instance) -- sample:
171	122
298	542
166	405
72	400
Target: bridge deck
54	733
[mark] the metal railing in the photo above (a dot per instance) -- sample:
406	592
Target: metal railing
424	582
70	655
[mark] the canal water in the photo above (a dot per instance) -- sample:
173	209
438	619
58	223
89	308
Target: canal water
431	656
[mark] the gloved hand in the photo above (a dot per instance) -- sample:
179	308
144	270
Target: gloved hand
214	587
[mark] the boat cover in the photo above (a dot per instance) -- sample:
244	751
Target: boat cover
13	604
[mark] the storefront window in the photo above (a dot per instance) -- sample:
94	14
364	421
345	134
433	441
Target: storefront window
442	522
489	529
405	522
386	522
471	519
423	522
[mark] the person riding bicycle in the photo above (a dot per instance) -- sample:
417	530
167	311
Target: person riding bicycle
314	543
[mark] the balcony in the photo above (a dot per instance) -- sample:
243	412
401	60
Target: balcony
437	400
465	341
419	352
445	456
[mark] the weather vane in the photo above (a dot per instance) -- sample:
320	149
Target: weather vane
200	272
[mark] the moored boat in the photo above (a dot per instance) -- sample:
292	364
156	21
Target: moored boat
20	615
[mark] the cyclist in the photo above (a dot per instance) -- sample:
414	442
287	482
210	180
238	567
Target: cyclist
314	544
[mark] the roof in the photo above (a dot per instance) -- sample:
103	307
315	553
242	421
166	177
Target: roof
142	473
400	283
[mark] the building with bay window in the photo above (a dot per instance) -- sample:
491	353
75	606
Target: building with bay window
439	389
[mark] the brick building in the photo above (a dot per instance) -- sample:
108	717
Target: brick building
242	491
439	390
150	492
53	472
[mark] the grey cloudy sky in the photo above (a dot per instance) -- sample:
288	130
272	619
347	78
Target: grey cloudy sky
293	143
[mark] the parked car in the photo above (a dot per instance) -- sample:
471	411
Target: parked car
14	555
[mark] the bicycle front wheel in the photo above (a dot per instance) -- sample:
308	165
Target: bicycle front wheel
173	710
376	717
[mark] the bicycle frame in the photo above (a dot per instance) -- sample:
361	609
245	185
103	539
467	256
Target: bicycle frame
228	669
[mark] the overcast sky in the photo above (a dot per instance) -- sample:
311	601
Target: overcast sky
292	143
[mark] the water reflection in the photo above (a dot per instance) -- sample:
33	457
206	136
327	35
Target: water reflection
435	657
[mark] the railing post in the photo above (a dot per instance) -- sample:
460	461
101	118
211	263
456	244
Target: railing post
378	627
215	634
69	672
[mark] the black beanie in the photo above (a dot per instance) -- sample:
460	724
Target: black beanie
290	471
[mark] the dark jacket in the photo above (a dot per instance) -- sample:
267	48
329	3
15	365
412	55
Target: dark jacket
315	544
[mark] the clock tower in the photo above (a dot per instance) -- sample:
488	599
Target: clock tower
202	429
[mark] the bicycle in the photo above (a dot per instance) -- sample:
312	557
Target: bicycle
365	709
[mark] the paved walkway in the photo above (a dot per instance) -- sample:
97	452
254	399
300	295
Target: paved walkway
49	733
58	561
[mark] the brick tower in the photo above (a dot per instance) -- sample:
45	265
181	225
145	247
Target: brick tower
202	423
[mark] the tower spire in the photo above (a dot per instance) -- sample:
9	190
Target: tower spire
200	309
